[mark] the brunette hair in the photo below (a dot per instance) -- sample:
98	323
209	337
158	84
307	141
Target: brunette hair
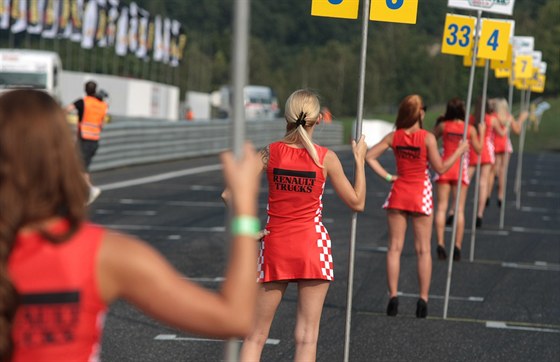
410	111
40	178
302	111
455	109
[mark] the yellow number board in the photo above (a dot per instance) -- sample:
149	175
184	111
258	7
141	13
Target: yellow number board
523	68
494	39
394	11
457	34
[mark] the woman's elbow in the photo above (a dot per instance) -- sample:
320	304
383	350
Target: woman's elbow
358	206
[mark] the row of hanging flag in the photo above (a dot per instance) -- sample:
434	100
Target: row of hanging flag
98	23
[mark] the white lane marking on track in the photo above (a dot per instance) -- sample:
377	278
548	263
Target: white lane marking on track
173	337
543	194
537	266
520	229
174	237
484	232
467	299
502	325
534	209
160	177
104	212
211	229
139	212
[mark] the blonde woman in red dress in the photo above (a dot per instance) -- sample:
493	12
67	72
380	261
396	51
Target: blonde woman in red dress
297	246
502	146
411	194
487	154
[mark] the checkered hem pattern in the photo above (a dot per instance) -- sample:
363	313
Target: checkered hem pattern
427	204
324	246
491	150
260	263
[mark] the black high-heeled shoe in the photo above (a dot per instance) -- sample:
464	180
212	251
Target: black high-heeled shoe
499	203
393	307
478	222
441	253
449	220
457	254
421	308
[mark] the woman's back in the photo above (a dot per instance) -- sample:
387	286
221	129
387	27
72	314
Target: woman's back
410	153
295	183
61	313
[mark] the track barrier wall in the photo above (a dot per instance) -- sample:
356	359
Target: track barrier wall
127	142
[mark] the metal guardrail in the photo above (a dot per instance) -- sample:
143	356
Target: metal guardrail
126	142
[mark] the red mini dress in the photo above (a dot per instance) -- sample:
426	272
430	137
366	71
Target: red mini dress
412	191
451	137
298	245
61	313
501	143
487	152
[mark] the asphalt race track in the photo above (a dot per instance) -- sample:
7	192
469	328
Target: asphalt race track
505	306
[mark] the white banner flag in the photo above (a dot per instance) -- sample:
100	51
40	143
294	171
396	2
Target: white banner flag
76	20
50	25
101	35
64	18
121	45
4	14
89	25
158	39
36	15
166	39
133	27
175	30
144	18
19	14
112	17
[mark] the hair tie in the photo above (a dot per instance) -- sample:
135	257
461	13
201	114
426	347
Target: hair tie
300	121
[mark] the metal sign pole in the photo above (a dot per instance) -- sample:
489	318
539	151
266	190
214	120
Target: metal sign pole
239	70
507	156
521	150
359	119
477	183
520	155
457	198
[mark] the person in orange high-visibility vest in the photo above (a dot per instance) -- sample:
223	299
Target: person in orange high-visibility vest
91	114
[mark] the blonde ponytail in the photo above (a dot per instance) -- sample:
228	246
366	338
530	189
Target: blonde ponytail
301	111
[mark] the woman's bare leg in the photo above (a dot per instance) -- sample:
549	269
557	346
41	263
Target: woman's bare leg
311	298
397	229
268	298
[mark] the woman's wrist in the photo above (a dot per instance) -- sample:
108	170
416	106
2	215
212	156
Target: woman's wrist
388	177
246	225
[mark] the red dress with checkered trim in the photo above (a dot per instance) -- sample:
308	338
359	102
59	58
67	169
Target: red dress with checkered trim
487	152
412	191
298	245
452	135
501	143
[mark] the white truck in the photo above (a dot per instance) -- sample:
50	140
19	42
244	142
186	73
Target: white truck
32	69
260	102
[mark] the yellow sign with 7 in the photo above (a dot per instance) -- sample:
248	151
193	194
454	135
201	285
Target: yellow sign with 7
494	39
523	66
458	34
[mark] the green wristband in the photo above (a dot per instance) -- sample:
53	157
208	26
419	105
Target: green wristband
389	177
245	226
